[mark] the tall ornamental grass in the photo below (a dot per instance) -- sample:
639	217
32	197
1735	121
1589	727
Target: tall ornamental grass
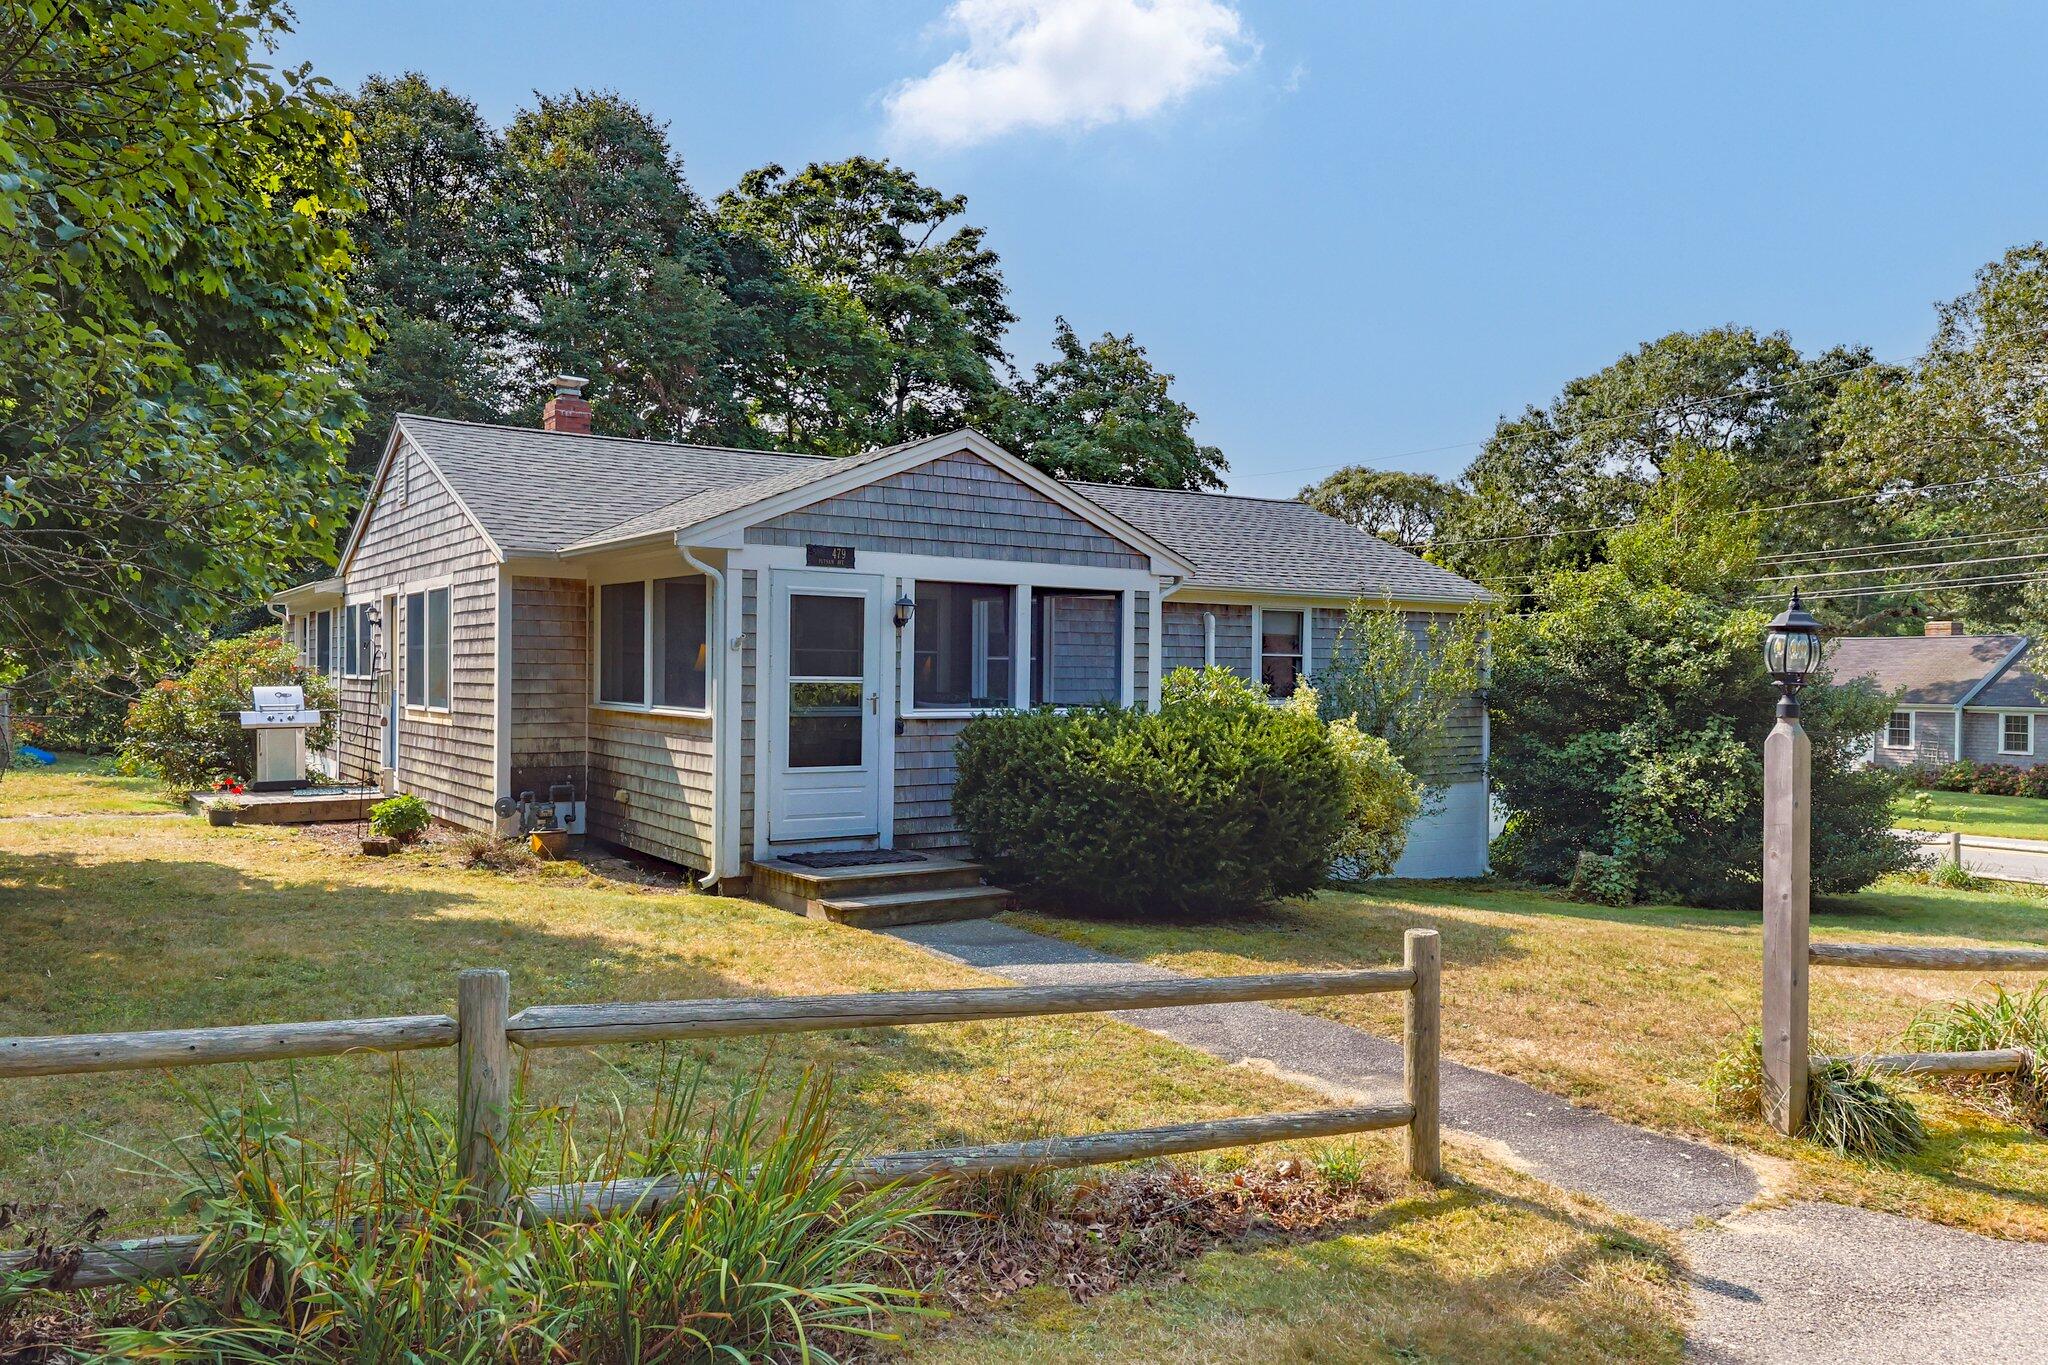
371	1247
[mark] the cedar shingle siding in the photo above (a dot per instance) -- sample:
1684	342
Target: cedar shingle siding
551	685
956	505
416	532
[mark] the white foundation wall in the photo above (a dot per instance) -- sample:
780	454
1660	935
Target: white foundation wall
1449	841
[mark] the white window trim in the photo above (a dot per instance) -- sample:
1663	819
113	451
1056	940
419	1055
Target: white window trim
2028	717
1001	574
1912	729
426	709
1308	619
598	701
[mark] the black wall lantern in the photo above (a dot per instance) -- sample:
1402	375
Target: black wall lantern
905	608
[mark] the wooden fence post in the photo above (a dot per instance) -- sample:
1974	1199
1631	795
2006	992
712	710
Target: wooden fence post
1421	1037
1788	788
1955	847
483	1001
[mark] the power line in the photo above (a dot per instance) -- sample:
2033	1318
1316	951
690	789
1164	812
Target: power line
1571	430
1959	540
1902	568
1881	590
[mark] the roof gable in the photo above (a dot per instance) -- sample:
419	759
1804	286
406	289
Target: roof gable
1924	670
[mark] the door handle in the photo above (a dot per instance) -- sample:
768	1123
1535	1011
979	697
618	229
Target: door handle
875	702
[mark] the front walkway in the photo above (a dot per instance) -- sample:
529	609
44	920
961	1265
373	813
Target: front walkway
1803	1284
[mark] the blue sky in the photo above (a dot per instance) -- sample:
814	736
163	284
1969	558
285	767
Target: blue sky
1356	232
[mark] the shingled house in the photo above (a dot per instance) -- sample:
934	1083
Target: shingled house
1970	696
732	655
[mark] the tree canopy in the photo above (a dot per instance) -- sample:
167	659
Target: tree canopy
1099	411
1396	505
177	343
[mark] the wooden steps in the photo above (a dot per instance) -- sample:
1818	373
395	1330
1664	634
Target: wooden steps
879	895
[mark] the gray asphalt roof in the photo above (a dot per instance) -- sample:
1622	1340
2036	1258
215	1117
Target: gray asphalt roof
1264	543
2018	686
1928	670
542	492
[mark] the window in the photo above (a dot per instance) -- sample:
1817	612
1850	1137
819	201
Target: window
427	649
323	642
366	656
2016	733
351	655
1898	731
653	644
680	654
1280	651
622	643
1077	648
415	649
962	646
827	677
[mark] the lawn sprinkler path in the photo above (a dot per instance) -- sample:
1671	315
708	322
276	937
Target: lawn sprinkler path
1804	1283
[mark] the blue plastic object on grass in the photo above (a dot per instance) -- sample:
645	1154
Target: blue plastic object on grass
35	755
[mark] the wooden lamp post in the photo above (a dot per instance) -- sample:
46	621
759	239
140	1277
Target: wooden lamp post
1791	653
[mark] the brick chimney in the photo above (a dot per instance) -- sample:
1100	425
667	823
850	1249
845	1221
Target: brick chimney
567	411
1933	627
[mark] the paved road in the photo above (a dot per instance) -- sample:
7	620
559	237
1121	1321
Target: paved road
2008	860
1808	1284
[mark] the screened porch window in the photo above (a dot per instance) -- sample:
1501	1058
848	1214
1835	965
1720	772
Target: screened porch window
963	655
1281	658
1077	650
653	643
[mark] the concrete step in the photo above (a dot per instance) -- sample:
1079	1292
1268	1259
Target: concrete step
885	911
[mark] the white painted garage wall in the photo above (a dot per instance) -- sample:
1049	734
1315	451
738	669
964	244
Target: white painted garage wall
1451	840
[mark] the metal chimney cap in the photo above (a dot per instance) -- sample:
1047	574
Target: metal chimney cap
569	385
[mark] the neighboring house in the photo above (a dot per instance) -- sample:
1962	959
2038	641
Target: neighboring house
1969	696
732	654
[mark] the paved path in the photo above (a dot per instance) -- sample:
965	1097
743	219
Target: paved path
1808	1284
1648	1174
1820	1284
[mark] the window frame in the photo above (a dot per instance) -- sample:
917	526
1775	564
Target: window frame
648	670
1259	655
1912	729
909	650
417	627
1039	659
2007	717
321	634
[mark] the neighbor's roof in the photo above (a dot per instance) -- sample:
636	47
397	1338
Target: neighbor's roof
544	492
2018	687
1927	670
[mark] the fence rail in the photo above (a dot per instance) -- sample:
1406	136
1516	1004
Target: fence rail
484	1031
1987	1062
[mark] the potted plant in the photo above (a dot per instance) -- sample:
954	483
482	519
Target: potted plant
227	803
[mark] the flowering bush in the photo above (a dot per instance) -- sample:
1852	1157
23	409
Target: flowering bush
188	730
1986	779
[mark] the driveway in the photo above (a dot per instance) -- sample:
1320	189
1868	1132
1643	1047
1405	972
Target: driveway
2007	860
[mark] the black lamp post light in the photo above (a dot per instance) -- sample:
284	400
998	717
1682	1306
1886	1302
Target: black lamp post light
1791	652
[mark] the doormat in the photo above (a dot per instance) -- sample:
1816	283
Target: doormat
857	858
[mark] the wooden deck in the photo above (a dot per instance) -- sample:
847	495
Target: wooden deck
304	806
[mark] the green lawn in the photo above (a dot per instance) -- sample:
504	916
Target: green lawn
79	785
1625	1010
2011	817
114	921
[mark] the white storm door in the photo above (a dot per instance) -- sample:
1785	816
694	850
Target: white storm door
824	707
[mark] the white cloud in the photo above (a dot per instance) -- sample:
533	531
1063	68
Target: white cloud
1066	64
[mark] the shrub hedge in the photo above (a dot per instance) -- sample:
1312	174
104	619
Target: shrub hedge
188	731
1216	802
1984	779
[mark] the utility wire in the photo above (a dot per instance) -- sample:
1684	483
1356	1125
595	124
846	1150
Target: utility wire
1570	430
1936	566
1959	540
1833	594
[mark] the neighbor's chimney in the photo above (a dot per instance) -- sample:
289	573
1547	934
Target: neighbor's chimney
1933	627
567	411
